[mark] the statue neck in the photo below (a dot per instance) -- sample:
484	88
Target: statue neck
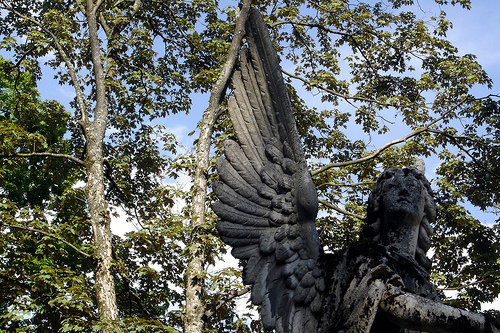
403	237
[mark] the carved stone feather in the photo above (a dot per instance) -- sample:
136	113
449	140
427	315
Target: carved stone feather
267	200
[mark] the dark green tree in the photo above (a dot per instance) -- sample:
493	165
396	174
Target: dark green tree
44	239
127	70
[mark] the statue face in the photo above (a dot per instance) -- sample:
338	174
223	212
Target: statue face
403	199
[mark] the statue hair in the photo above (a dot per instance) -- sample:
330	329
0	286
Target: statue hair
374	225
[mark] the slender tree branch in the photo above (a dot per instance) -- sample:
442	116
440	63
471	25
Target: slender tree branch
96	6
122	23
368	31
80	5
108	174
377	152
21	59
74	159
135	8
49	235
130	292
218	92
351	36
345	97
340	210
311	25
346	185
193	321
227	298
100	110
463	286
455	139
107	30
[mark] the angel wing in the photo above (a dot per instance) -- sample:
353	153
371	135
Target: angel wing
267	200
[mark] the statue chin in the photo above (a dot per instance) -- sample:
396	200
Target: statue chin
403	214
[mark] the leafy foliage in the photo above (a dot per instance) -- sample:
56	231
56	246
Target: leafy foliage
380	72
42	282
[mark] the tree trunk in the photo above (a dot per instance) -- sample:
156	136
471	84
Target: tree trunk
99	216
100	221
194	277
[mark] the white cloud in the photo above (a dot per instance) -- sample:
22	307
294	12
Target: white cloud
180	131
495	305
120	225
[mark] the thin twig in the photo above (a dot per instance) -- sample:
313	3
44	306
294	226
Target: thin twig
466	151
463	286
47	154
311	25
347	98
346	185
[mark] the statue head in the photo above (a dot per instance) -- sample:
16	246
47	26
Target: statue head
402	198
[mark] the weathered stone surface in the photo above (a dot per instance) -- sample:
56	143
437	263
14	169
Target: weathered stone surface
268	206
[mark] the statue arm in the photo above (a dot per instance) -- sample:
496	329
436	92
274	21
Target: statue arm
418	313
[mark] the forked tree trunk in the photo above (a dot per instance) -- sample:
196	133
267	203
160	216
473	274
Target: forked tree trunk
194	277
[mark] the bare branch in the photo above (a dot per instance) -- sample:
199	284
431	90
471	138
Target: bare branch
455	139
368	31
346	185
49	235
336	32
347	98
135	8
311	25
95	6
377	152
194	284
130	291
463	286
100	109
122	23
107	30
340	210
80	5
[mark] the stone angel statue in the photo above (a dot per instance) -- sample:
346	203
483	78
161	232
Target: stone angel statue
268	206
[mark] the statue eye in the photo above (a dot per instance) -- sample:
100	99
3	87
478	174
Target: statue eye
414	184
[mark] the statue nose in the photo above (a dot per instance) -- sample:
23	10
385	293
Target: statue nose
404	192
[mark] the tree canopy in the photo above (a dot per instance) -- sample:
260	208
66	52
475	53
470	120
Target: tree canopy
373	84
